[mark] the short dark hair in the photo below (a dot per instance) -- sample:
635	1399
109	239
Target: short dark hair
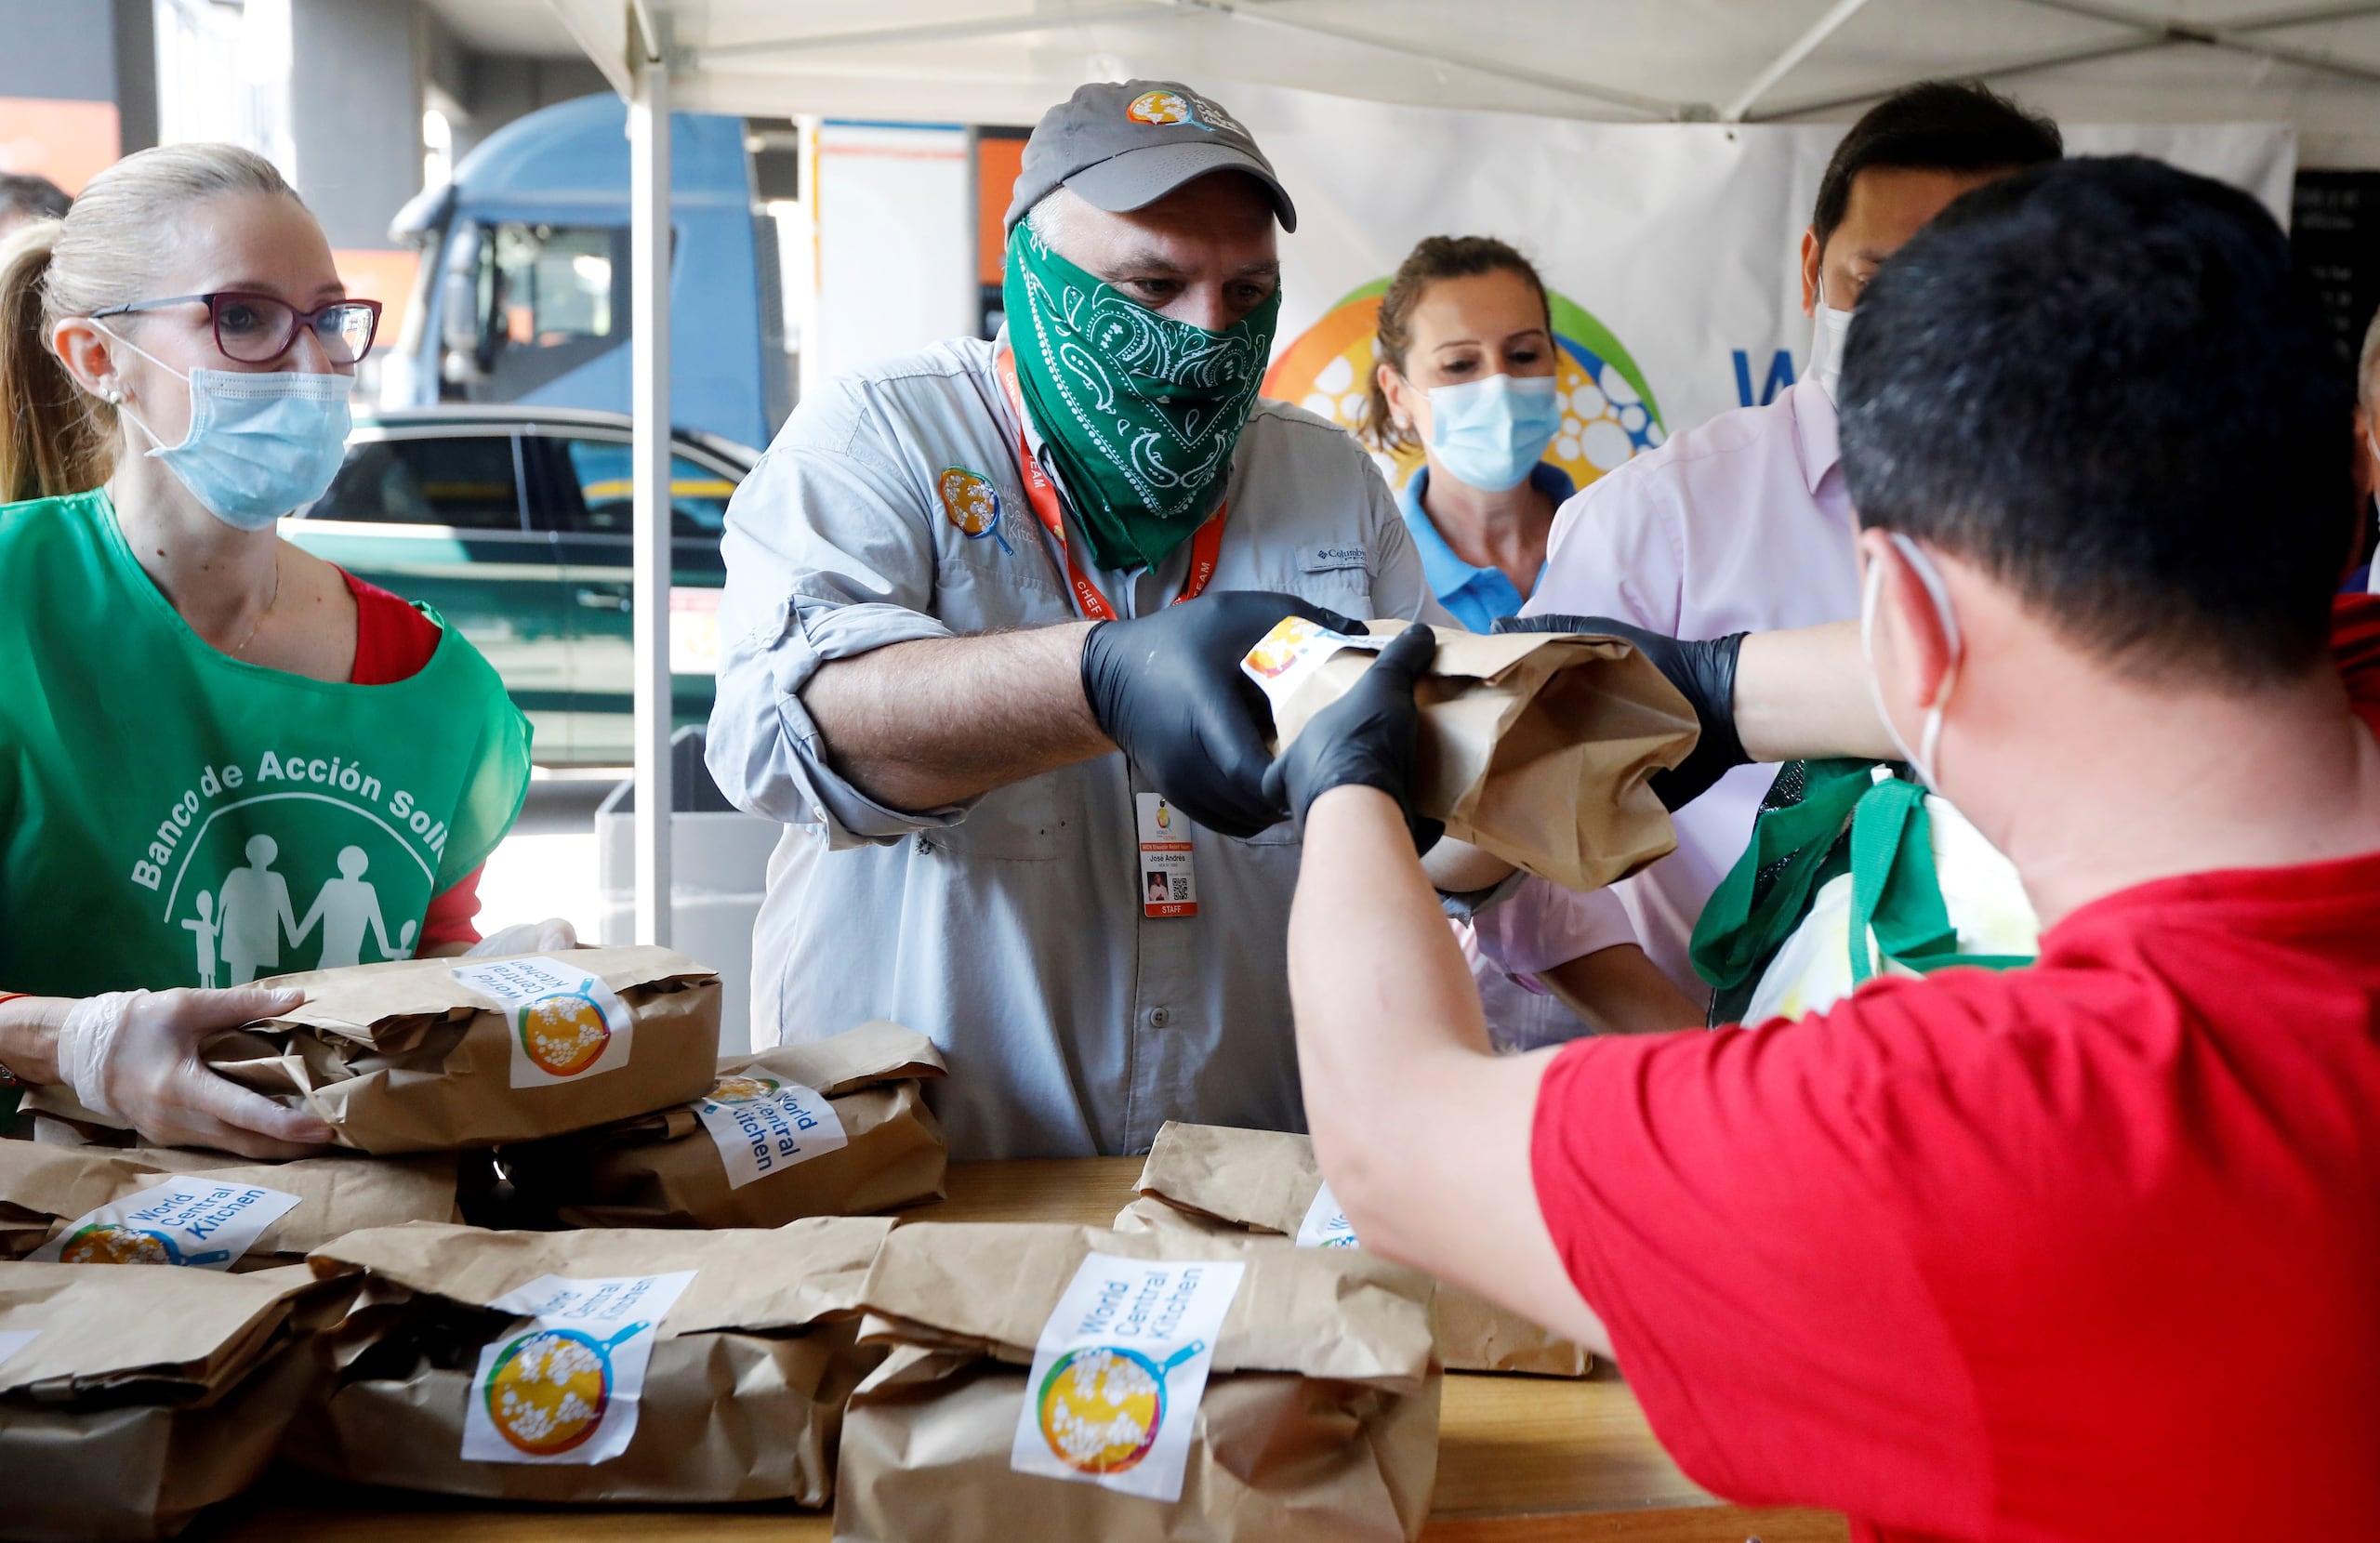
23	193
1957	125
2102	382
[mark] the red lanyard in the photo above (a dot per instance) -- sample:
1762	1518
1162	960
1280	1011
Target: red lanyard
1043	494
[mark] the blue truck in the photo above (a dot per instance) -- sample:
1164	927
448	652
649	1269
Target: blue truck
523	292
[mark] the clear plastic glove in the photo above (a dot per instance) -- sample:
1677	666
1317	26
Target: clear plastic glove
134	1056
549	936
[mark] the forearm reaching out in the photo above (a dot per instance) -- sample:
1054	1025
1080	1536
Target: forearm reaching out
1804	695
1424	1132
925	724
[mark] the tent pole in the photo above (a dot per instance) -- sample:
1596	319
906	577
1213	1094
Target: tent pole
649	411
1787	63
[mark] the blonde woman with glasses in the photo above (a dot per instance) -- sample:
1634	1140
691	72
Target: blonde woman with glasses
220	758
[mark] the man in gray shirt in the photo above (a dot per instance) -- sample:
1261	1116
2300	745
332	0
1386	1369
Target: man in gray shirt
982	607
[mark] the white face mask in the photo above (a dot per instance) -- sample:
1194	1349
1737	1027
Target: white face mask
1929	738
1829	328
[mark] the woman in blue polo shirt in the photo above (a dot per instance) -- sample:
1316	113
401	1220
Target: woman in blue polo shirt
1466	373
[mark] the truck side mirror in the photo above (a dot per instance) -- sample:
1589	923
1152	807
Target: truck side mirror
459	312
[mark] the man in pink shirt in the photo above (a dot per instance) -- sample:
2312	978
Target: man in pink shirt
1742	525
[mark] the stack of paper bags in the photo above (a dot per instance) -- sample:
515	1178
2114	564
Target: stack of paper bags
682	1368
1215	1180
131	1398
837	1127
1065	1382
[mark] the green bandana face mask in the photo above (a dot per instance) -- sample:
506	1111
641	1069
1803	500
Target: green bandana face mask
1141	412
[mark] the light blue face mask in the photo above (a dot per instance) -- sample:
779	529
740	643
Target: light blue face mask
259	445
1487	433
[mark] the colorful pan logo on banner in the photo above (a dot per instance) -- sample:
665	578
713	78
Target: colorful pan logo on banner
564	1034
1103	1406
551	1388
1608	412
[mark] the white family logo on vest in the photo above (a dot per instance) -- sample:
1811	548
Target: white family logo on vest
220	867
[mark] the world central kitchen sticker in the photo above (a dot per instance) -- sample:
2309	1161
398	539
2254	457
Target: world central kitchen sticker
566	1024
1119	1372
763	1125
186	1221
562	1387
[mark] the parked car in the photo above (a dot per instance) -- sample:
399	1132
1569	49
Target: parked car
512	522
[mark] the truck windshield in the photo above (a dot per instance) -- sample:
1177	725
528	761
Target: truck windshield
551	298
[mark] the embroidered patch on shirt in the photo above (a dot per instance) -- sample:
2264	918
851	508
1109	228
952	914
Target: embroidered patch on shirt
1326	559
970	502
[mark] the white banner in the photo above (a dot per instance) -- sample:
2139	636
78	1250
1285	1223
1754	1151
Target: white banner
1671	249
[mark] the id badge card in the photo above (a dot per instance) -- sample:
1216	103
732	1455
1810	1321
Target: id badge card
1168	887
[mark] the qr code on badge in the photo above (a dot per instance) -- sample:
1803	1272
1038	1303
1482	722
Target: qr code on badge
1181	888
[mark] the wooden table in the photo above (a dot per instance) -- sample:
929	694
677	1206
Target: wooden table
1521	1459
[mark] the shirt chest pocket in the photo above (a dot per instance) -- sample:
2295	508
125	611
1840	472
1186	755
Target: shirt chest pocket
1335	577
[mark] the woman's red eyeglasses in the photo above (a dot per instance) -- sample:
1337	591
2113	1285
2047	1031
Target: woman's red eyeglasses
259	329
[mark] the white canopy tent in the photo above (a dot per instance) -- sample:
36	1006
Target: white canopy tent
1002	62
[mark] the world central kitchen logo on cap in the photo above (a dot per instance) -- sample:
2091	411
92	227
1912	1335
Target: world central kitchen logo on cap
970	502
1608	413
1161	109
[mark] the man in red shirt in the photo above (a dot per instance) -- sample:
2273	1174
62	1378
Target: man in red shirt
2087	1250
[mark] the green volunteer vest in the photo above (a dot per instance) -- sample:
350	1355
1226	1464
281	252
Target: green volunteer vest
170	816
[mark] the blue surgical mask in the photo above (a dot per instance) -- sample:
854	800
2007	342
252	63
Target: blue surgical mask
1487	433
1929	739
259	445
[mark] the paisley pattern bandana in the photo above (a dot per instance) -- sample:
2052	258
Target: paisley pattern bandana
1141	412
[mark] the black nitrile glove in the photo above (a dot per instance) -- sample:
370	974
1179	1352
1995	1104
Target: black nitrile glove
1364	739
1704	674
1168	689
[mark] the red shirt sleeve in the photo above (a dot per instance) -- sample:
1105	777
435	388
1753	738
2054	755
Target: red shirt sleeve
449	918
393	640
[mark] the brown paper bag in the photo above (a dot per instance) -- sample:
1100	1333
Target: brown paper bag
1535	747
741	1398
1318	1419
404	1057
1212	1178
735	1158
129	1399
45	1187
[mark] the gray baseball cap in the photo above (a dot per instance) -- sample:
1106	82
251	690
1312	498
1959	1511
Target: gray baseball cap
1124	147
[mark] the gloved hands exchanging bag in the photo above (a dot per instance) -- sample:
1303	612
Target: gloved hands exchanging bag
1168	689
1365	739
1704	673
